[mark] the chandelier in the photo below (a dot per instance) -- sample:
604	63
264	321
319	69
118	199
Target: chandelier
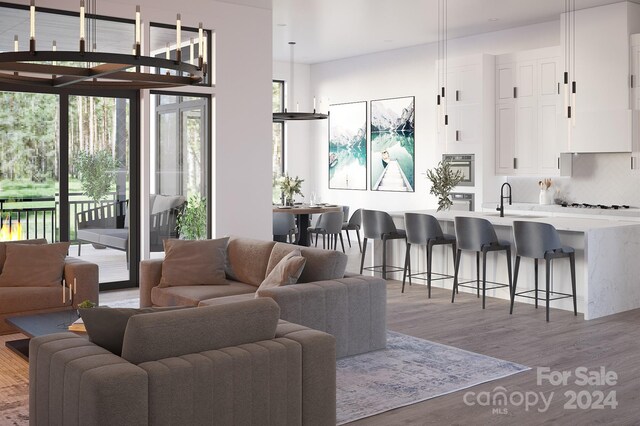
87	68
297	115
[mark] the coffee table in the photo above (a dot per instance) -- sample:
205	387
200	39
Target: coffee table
39	325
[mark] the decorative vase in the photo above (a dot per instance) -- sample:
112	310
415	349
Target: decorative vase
289	202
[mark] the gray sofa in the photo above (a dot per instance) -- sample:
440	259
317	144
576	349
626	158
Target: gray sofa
226	365
351	308
29	300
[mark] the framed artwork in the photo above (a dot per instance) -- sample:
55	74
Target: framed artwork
347	160
392	144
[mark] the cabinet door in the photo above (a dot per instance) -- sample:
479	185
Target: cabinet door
526	84
548	149
469	86
505	82
635	73
526	145
505	138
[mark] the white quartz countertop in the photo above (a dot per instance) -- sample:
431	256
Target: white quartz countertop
561	223
633	212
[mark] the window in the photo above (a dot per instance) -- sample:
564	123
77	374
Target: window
277	140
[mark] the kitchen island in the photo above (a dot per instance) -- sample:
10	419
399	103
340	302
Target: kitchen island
607	261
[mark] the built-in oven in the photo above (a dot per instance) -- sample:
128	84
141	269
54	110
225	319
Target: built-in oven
465	164
462	201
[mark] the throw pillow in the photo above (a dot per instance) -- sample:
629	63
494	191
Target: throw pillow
194	262
287	271
34	265
3	247
105	326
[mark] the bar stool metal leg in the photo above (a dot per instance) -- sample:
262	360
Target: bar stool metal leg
509	269
429	258
407	266
364	252
455	275
484	276
515	283
548	275
478	273
384	259
535	268
572	264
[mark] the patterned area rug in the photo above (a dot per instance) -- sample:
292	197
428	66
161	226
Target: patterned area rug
408	371
14	385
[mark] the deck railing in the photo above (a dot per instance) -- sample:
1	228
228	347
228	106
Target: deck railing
38	216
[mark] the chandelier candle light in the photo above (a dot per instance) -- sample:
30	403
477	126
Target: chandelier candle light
100	69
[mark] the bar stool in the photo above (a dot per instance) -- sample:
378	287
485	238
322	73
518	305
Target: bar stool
541	241
330	224
477	234
378	225
424	230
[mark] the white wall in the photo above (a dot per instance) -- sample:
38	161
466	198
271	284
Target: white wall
241	104
397	73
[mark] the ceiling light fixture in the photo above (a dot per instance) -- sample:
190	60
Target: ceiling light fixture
89	68
297	115
441	103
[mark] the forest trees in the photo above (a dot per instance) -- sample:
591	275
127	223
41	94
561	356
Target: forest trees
29	134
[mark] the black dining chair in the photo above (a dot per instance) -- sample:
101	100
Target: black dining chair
329	223
353	224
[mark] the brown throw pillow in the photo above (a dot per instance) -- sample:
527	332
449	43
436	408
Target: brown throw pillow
34	265
287	271
194	262
105	326
3	247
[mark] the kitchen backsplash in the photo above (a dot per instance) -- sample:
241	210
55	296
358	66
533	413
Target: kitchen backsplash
596	179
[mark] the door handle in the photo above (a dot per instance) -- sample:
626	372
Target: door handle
457	135
515	92
457	95
515	163
558	163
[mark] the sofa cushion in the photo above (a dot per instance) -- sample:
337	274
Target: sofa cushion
287	271
162	335
34	265
105	326
194	262
191	295
321	264
3	247
247	260
226	299
25	299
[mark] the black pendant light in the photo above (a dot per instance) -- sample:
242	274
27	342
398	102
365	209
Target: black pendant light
290	115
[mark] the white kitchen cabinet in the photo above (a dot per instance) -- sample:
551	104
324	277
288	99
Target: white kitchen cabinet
527	105
602	67
634	101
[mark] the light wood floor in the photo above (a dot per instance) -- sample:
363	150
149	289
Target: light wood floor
564	344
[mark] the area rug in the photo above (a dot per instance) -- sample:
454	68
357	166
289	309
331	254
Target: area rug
14	387
408	371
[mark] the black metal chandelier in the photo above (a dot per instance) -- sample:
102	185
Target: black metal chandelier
84	68
290	115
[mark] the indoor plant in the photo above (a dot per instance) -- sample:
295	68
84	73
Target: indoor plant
290	187
192	219
443	180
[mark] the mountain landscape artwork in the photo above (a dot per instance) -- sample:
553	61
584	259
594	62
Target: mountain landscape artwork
392	144
348	146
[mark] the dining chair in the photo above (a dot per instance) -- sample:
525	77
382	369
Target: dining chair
354	224
284	225
329	223
378	225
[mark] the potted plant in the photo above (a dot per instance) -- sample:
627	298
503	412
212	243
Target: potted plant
443	180
192	219
290	187
97	173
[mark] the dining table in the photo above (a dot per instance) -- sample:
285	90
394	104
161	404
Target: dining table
303	213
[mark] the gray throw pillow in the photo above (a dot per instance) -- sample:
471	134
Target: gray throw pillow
194	262
105	326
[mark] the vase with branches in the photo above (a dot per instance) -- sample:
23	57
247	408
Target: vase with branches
443	180
291	187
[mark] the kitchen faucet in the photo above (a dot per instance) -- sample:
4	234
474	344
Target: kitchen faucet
500	208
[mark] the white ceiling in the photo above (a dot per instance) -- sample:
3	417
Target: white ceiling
326	30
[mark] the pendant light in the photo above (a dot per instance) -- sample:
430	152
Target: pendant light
92	69
441	103
569	76
297	115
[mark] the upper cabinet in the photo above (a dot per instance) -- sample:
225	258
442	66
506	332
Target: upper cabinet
527	106
603	122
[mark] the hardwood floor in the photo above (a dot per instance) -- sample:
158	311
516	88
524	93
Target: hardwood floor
564	344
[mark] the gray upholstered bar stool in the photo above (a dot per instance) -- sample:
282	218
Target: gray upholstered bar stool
424	230
378	225
329	223
541	241
477	234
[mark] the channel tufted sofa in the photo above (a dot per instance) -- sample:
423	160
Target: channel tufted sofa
236	364
352	308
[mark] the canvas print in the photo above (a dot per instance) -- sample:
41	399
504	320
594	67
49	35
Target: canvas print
348	146
392	144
